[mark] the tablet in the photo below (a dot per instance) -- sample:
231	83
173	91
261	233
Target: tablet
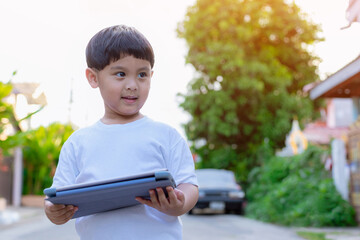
111	194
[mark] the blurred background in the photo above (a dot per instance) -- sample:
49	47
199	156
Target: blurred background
45	41
266	89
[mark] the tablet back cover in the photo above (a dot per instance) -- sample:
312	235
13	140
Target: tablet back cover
109	195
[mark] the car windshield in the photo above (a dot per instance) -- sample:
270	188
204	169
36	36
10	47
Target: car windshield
216	178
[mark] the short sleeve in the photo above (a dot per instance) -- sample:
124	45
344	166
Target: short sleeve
66	170
181	163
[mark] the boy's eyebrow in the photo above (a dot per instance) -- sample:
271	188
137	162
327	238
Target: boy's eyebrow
144	69
124	68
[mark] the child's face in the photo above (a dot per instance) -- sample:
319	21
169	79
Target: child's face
124	87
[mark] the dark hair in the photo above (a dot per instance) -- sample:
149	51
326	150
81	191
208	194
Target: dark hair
113	43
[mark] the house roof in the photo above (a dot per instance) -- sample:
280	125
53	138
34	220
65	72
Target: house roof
345	83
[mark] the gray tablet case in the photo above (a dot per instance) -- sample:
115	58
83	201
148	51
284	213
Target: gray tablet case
102	196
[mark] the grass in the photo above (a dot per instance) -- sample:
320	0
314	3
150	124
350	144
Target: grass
312	236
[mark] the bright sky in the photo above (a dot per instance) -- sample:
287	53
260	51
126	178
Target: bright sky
45	40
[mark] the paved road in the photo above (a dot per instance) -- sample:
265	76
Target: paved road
231	227
35	226
38	227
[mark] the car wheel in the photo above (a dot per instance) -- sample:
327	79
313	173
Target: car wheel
227	211
239	211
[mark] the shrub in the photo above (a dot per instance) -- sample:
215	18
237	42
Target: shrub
41	150
297	191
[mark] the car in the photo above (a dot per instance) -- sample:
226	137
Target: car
218	190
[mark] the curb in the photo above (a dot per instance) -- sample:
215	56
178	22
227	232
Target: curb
334	233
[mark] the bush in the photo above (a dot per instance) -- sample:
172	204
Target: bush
297	191
41	150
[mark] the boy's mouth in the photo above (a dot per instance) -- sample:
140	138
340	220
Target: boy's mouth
129	99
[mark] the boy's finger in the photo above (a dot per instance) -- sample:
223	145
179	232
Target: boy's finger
54	207
161	196
62	211
69	213
57	207
66	216
154	198
171	194
144	201
179	195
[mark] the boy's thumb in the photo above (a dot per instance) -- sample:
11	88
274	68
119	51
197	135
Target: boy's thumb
180	195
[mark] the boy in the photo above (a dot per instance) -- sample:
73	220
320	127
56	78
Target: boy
124	142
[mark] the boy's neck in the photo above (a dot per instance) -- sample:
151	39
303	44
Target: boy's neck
108	120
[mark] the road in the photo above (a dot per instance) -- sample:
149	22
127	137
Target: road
199	226
231	227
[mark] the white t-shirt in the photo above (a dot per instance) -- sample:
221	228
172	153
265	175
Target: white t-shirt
108	151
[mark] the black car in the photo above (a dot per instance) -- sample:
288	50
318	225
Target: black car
218	190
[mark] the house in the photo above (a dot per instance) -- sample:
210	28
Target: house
342	93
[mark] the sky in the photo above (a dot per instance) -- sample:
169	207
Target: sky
45	41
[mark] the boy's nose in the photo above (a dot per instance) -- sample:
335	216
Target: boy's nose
131	85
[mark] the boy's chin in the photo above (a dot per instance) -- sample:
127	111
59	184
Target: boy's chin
122	118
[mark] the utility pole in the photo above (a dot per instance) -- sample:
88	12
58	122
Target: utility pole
70	100
17	178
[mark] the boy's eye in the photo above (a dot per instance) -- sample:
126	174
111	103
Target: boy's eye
120	74
142	75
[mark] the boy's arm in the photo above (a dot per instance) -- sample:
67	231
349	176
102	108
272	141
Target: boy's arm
191	193
59	213
179	201
66	172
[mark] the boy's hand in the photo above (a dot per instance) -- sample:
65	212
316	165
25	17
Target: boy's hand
171	205
59	213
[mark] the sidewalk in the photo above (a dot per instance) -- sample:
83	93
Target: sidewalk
19	215
23	215
32	224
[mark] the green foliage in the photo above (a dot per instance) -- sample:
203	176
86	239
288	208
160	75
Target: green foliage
252	61
297	191
8	117
41	147
6	110
41	150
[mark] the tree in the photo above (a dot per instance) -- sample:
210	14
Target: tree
8	118
41	147
7	115
252	61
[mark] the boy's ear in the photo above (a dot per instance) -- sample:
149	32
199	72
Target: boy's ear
92	77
